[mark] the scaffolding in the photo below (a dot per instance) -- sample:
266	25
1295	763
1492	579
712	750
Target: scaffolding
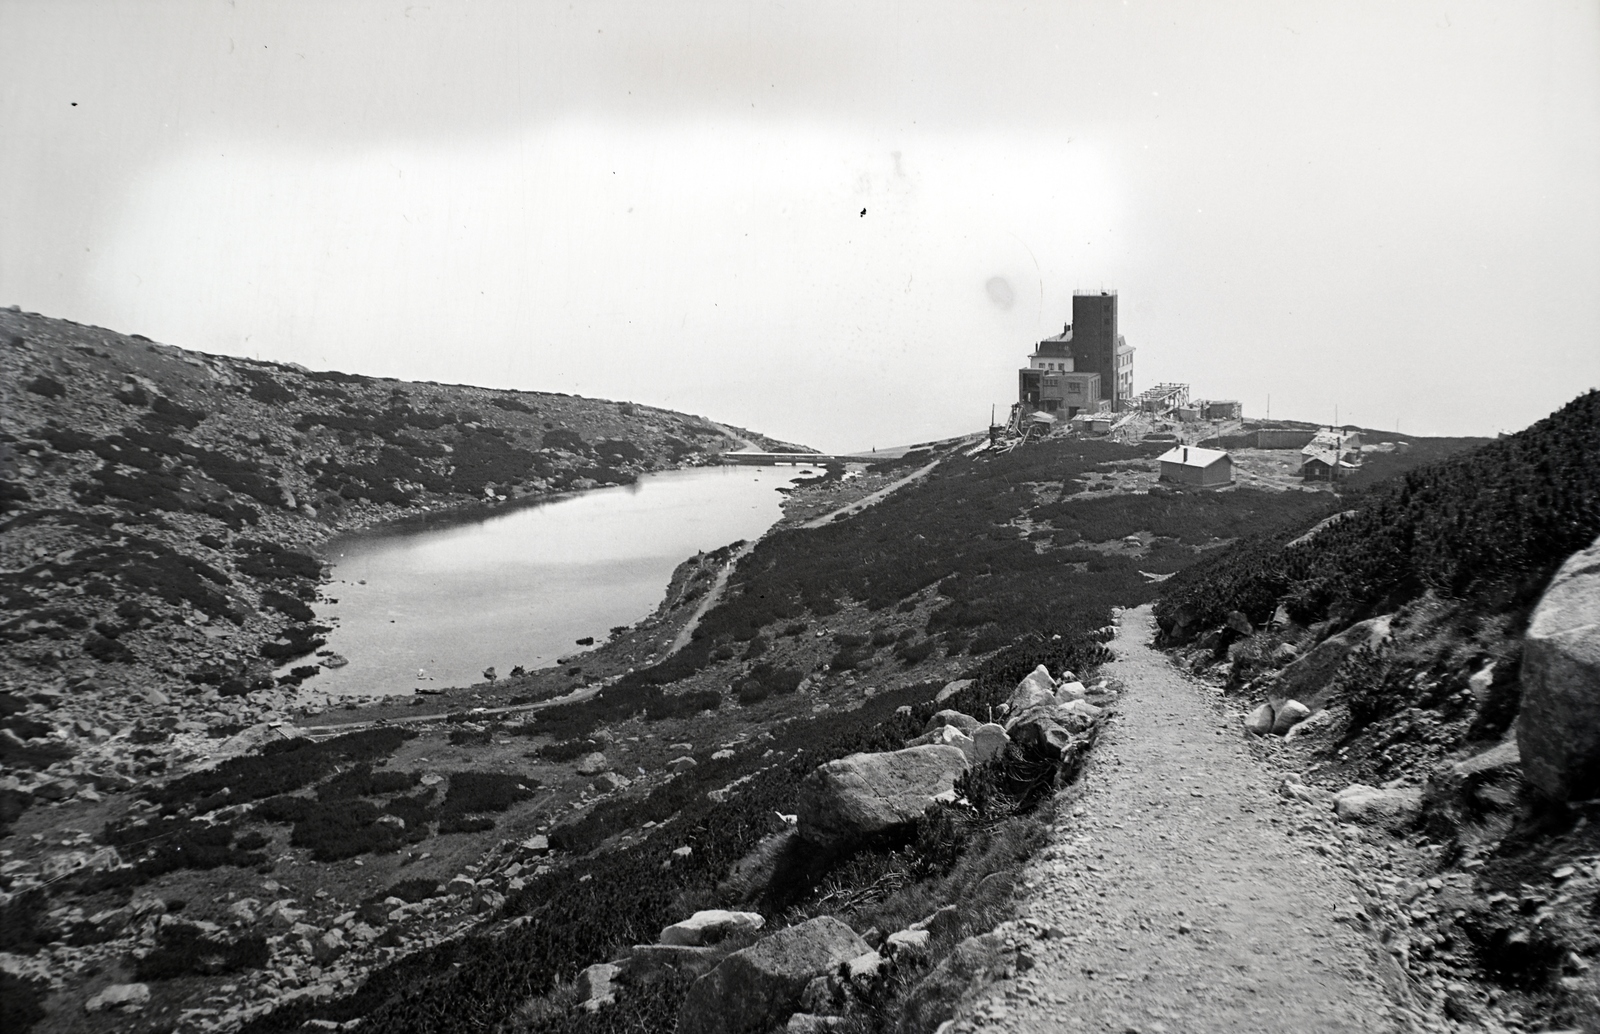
1161	399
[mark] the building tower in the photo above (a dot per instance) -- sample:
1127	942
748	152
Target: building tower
1097	346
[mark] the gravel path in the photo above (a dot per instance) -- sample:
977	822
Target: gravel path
1175	897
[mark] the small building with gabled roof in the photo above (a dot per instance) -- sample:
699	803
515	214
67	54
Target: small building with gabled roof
1196	467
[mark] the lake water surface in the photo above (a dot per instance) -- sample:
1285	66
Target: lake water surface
521	586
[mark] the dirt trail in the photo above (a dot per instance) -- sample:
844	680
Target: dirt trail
881	494
1179	898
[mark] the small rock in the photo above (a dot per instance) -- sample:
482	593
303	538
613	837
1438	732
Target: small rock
1369	805
682	764
120	998
965	722
597	982
863	972
593	764
1070	691
1239	623
329	946
1259	721
1036	688
1288	715
912	942
753	989
951	689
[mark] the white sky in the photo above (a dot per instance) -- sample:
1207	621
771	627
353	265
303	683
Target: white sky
1389	207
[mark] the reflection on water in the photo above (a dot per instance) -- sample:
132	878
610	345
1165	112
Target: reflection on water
520	587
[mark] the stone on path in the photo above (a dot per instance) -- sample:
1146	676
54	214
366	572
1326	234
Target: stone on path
965	722
1369	805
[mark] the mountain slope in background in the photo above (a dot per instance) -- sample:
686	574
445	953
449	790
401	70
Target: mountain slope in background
162	509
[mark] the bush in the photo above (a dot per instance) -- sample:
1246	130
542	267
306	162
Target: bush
683	705
183	950
281	767
485	791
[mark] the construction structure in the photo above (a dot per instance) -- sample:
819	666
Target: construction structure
1162	399
1195	467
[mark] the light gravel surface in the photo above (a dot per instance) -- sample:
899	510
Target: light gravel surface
1182	894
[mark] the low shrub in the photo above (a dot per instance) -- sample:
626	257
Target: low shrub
485	791
183	949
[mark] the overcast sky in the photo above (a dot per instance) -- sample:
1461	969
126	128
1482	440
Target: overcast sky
1392	208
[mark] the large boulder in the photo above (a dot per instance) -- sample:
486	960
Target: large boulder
753	989
1558	729
710	926
854	797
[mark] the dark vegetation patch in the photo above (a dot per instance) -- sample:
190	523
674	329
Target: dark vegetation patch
485	792
280	768
183	949
347	827
21	1002
168	843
